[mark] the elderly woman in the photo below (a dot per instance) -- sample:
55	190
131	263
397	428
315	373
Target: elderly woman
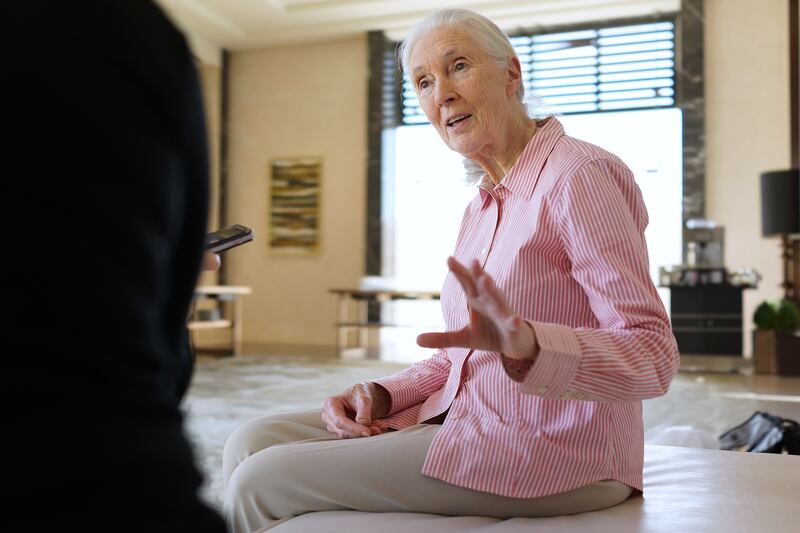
531	405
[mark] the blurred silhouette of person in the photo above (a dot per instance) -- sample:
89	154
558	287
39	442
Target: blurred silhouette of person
104	215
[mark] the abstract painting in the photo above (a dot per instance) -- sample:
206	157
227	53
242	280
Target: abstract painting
294	211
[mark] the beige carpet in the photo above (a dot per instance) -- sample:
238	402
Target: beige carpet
228	391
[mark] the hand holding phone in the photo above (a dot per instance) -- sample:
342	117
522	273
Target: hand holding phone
226	238
211	262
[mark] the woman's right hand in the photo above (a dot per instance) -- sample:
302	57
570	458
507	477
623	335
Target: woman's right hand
353	413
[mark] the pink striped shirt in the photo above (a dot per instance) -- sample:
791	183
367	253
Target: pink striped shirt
563	237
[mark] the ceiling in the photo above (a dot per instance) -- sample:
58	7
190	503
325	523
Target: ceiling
241	24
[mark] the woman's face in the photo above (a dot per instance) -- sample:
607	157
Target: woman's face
464	92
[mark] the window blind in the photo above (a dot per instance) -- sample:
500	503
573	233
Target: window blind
589	70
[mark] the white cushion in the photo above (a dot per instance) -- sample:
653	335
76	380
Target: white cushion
686	489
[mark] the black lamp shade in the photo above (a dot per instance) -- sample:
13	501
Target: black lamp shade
780	202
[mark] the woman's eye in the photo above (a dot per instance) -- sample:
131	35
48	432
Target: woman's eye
423	84
460	65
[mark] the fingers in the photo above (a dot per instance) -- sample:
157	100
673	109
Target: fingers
463	276
211	261
363	405
496	298
338	413
334	414
493	323
483	294
459	338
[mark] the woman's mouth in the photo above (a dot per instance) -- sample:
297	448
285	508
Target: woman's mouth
456	121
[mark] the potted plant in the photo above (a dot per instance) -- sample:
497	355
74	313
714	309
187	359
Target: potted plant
776	339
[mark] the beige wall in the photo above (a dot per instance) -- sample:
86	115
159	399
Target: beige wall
747	129
305	100
211	82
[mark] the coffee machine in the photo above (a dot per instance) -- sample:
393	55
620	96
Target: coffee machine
704	252
703	244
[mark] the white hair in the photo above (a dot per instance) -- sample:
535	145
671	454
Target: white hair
491	38
493	41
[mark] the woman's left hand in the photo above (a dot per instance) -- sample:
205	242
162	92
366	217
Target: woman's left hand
493	326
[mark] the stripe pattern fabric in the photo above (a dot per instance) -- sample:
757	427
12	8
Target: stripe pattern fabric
562	235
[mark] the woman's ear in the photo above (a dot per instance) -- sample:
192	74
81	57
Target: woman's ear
513	76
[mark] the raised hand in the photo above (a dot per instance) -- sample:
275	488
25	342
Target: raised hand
493	325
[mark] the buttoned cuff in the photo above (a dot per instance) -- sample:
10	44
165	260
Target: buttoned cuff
557	362
403	391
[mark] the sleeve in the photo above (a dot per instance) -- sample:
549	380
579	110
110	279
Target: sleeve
413	385
632	354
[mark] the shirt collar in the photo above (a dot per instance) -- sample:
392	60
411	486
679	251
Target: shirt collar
522	177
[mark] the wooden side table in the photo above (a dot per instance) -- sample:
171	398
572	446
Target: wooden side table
360	323
229	298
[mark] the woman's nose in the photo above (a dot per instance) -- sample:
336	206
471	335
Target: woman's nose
444	92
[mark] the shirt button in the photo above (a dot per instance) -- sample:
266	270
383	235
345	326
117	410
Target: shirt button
484	251
541	390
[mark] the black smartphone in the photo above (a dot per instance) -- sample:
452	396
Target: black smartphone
226	238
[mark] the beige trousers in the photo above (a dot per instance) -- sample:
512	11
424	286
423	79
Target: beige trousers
279	466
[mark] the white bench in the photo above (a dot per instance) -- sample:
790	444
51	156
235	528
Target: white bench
686	490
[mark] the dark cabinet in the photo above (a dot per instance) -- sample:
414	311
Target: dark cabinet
707	320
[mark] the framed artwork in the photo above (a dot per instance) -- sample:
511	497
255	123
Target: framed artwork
294	205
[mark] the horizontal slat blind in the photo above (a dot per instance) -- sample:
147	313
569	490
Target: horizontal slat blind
590	70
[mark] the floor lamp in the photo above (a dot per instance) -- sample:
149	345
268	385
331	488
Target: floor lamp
780	216
780	190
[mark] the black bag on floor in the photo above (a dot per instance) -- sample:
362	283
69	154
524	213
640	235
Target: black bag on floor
763	433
